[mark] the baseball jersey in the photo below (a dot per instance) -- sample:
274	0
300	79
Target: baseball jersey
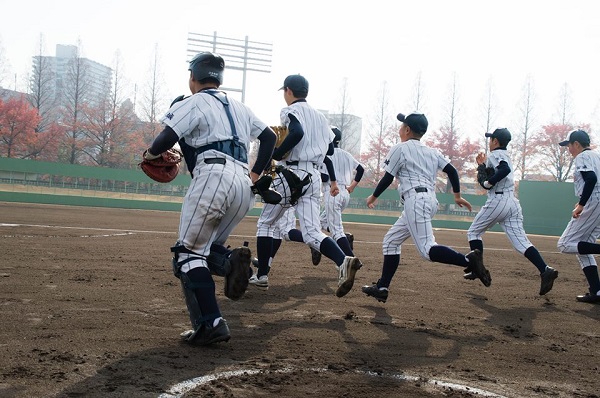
587	160
506	184
201	119
414	165
317	133
344	165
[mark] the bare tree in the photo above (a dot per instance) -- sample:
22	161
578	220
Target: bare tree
73	98
109	125
565	108
4	66
152	97
523	148
489	110
460	150
383	136
417	100
349	125
42	88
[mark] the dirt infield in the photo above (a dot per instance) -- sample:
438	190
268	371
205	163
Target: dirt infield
90	308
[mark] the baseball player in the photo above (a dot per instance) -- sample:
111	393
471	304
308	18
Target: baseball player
502	207
415	166
348	172
308	142
583	229
213	132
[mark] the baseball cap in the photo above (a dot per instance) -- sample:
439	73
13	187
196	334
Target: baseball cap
576	135
416	121
296	83
502	135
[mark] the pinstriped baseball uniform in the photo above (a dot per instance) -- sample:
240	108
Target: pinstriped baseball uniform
219	195
309	154
501	207
344	165
585	228
415	166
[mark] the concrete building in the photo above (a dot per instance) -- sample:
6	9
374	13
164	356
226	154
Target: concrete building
58	71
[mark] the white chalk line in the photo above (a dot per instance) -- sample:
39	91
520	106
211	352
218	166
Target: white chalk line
179	389
121	232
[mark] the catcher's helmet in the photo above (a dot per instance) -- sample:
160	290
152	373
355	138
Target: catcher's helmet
338	135
207	65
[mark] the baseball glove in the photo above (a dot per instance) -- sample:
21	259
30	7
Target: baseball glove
484	174
163	167
262	187
281	132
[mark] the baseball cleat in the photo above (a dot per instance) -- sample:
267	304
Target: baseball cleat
236	281
380	293
261	283
347	272
589	298
470	276
476	265
316	256
548	277
207	334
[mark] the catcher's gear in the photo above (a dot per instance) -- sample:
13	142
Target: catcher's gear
262	187
163	167
232	265
207	65
338	136
289	185
484	174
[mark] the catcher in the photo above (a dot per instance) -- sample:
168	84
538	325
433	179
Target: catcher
494	173
213	132
303	151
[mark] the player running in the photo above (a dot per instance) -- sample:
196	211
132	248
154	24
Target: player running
502	207
416	166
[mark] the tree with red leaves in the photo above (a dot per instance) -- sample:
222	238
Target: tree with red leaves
18	121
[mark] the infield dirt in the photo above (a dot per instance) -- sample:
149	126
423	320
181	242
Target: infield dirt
90	308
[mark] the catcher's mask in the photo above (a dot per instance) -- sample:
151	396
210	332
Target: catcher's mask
289	184
207	65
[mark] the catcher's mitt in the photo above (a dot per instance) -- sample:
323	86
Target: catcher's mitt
164	167
484	174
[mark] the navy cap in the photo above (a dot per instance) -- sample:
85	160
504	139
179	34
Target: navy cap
502	135
416	121
576	135
296	83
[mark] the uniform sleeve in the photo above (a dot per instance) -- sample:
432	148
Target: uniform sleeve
443	161
392	163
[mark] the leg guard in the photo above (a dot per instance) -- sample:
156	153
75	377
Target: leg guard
191	301
218	263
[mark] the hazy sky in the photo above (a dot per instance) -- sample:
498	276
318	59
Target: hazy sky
556	42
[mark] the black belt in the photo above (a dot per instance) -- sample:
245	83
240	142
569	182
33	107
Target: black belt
418	190
498	193
215	160
297	162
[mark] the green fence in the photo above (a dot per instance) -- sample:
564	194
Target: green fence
546	205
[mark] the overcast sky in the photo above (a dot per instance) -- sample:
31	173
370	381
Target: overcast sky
556	42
